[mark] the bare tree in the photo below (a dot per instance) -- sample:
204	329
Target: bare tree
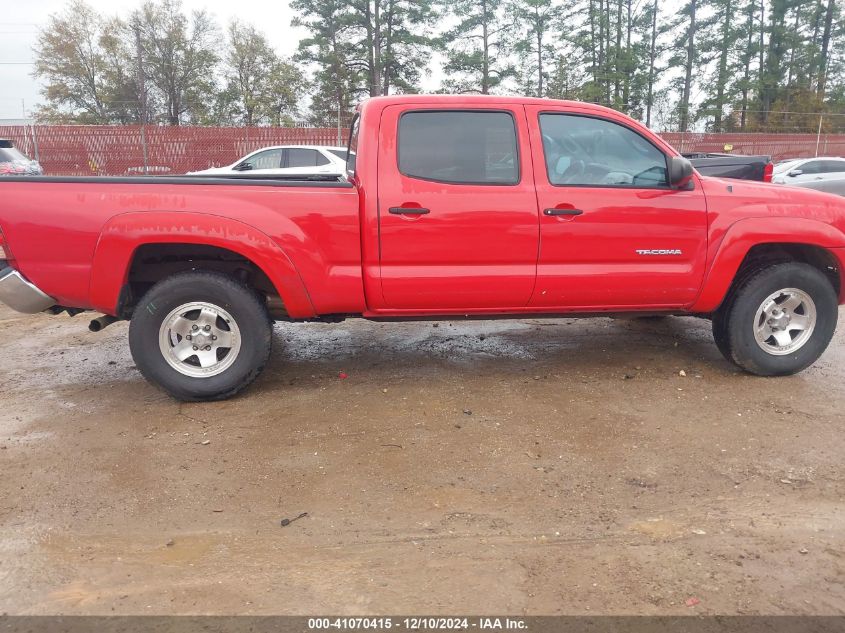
179	57
81	59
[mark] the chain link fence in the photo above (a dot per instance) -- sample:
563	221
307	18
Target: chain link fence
133	150
83	150
778	146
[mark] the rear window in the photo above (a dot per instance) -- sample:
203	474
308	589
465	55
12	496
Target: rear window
300	157
460	147
10	154
340	153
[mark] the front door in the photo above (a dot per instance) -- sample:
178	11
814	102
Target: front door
613	233
458	220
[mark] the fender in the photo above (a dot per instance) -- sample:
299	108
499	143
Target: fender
124	233
742	235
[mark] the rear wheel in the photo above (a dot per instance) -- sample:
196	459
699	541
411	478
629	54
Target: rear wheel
778	321
200	336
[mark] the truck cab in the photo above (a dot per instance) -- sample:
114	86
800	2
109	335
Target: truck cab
513	205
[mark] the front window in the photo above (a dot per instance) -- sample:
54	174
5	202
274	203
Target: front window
459	147
587	151
269	159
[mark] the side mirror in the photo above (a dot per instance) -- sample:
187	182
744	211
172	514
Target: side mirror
796	172
680	171
243	167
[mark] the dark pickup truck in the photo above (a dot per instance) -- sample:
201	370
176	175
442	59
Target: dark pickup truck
757	168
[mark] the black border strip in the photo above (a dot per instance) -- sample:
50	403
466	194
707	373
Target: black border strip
253	181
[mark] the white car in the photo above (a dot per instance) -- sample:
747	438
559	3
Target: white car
808	170
286	160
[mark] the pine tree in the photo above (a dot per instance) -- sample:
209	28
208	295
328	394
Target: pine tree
477	46
720	39
391	44
338	81
687	58
535	20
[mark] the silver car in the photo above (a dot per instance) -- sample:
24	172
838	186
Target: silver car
822	174
283	160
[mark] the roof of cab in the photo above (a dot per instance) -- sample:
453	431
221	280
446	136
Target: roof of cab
469	99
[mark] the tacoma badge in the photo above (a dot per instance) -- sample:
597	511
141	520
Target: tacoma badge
659	251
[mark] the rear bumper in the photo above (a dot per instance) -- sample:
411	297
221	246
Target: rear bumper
17	293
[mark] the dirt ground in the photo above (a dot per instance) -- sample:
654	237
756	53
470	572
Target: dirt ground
521	467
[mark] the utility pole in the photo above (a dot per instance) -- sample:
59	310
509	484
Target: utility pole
142	95
341	93
338	122
651	59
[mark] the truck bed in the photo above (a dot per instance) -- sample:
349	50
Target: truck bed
72	234
731	165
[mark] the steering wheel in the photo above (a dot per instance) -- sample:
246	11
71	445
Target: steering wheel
576	169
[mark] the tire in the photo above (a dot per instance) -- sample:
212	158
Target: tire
225	322
720	334
778	320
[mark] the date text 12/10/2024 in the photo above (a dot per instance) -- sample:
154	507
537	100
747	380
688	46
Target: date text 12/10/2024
417	623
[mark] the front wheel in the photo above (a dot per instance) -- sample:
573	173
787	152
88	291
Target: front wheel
200	336
778	321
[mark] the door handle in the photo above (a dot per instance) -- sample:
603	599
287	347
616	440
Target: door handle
562	212
409	210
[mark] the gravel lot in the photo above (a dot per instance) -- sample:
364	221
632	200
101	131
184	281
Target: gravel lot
523	467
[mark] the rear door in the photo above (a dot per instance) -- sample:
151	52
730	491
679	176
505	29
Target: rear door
833	169
613	233
458	221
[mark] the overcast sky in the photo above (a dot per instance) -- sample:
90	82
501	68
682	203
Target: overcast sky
19	92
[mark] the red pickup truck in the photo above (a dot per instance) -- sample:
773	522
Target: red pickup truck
454	206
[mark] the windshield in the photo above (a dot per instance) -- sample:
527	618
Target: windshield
784	166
